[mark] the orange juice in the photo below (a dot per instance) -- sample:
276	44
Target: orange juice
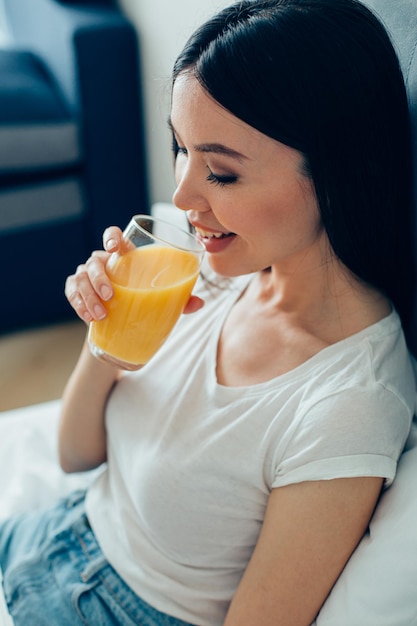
151	286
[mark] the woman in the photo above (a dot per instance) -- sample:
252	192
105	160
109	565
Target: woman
244	462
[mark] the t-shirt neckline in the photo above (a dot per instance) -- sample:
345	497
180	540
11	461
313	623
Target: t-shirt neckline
380	327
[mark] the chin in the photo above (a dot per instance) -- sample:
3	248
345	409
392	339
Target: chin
228	270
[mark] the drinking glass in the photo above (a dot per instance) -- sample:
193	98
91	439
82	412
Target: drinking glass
152	276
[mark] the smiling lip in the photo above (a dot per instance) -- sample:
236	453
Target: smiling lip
214	241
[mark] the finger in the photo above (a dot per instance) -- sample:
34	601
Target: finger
82	289
98	277
76	301
194	304
112	239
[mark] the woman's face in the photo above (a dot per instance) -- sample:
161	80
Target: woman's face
245	193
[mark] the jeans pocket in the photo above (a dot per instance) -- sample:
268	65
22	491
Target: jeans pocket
30	589
25	579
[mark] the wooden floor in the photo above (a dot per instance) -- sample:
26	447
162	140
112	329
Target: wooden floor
35	364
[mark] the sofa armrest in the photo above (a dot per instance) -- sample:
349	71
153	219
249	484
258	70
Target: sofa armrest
91	49
113	124
48	29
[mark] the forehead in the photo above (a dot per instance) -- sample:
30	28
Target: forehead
194	110
199	121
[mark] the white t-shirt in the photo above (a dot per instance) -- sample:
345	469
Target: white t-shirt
191	463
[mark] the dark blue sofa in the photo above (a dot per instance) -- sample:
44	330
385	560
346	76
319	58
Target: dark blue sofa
72	155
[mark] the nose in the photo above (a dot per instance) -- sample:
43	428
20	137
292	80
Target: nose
188	195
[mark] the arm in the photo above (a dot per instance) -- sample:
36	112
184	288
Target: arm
309	532
82	440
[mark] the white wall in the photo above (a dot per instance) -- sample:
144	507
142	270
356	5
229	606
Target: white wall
4	35
163	27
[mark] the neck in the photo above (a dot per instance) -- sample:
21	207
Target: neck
319	292
304	281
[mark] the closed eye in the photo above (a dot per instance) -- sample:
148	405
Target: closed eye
217	179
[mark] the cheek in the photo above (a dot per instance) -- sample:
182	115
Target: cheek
289	212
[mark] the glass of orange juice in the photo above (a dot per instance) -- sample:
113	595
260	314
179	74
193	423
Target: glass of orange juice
152	279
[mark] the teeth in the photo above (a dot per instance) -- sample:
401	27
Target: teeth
207	233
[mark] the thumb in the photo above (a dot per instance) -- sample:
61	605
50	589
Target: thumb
194	304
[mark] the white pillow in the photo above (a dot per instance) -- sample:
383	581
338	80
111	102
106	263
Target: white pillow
30	476
378	586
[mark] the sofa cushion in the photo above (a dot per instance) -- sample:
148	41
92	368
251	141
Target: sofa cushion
378	586
41	203
36	129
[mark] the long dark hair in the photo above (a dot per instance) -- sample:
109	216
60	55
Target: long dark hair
322	77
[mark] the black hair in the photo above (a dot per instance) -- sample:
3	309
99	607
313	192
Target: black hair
322	76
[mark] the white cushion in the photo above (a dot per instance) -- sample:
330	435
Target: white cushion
378	586
30	476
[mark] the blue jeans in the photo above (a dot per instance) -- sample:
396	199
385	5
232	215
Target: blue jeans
54	573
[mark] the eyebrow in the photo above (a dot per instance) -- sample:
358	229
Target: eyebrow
215	148
218	148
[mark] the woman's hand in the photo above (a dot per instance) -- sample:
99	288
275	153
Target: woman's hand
90	286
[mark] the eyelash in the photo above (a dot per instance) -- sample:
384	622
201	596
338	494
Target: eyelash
212	178
220	180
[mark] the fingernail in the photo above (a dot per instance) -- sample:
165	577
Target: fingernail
110	244
106	292
99	312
